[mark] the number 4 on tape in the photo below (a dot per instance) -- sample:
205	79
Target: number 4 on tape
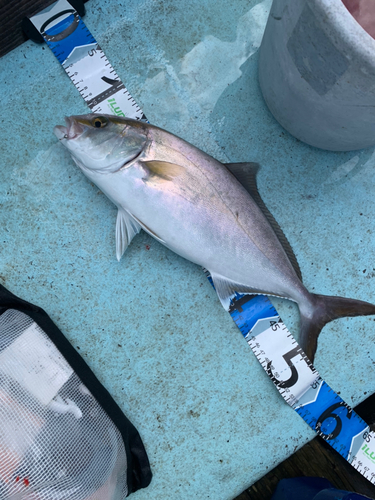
285	363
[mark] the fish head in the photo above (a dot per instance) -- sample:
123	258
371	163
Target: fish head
102	143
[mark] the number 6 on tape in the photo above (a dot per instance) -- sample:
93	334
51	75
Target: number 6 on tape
300	384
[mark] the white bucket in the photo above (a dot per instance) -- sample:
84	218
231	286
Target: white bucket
317	74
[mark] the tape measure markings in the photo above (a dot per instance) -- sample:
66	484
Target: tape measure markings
84	61
294	376
301	385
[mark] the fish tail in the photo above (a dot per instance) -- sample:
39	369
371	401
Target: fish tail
326	309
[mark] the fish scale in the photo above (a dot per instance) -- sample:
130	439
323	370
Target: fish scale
283	360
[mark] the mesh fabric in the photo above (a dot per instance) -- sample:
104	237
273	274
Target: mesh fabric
56	441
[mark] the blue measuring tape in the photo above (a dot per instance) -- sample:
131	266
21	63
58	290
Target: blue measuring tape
84	61
300	384
282	358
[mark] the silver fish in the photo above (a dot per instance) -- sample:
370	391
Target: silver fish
205	211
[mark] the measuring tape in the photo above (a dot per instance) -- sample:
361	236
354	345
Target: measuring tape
300	384
84	61
283	360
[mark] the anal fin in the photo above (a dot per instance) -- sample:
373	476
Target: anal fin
226	288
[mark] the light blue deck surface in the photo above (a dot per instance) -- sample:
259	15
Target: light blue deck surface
151	326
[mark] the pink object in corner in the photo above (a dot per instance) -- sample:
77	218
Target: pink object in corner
363	12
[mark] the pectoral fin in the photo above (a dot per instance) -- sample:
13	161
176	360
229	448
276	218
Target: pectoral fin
161	170
126	229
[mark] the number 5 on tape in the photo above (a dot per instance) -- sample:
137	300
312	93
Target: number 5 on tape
300	384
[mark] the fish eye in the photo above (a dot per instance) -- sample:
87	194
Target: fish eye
100	121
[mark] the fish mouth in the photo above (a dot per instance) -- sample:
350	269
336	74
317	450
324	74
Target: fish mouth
72	130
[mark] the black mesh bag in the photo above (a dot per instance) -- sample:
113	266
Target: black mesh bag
62	436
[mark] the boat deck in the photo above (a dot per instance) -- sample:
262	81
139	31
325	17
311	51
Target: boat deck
151	326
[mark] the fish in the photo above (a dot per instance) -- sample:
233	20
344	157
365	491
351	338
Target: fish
205	211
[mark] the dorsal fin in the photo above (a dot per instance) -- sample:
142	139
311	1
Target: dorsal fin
246	174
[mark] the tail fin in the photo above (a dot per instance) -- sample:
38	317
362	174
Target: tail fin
327	309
